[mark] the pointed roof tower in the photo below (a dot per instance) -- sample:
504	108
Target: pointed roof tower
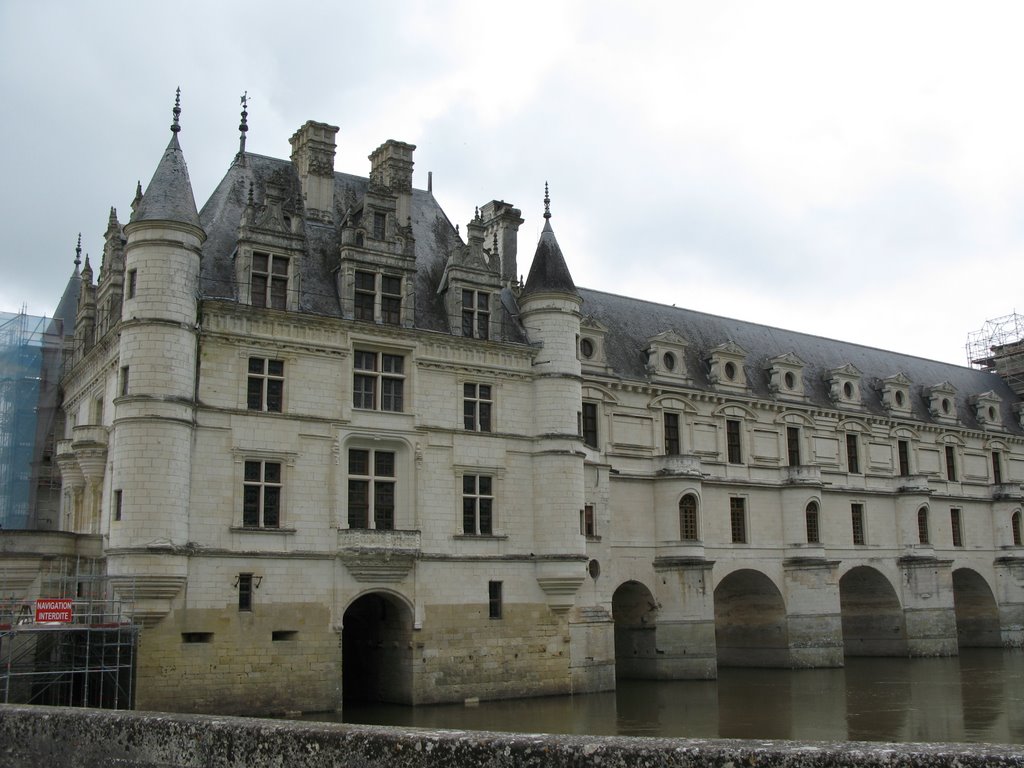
67	308
169	195
549	271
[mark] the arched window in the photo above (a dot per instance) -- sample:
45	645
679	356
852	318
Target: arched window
813	526
1015	526
688	518
922	525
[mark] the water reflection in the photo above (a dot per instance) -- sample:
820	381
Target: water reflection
978	697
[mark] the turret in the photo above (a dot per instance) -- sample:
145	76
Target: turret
155	398
550	313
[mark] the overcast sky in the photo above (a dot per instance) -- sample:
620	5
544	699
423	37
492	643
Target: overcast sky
854	170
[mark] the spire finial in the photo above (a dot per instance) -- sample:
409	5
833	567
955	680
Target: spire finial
244	125
547	202
175	128
78	251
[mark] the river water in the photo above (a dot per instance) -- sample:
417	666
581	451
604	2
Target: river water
976	697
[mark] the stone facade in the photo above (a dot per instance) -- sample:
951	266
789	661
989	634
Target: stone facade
334	450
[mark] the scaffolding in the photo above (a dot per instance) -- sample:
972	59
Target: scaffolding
984	345
88	661
30	360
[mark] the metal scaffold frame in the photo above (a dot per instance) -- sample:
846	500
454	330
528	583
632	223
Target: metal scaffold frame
86	662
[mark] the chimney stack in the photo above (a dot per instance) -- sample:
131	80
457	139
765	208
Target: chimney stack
313	148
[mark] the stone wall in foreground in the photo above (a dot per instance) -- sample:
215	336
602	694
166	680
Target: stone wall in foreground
73	738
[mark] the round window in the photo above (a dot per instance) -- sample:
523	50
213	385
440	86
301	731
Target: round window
899	398
848	390
669	360
991	413
586	348
730	371
945	405
790	380
594	569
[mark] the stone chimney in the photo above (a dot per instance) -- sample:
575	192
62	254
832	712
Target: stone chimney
313	148
391	168
502	220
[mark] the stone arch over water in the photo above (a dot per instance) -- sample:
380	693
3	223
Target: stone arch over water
635	612
872	617
376	642
977	615
750	622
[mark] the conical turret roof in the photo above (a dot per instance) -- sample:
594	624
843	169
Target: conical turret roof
549	272
169	194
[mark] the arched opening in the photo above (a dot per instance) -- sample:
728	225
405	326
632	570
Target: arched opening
1015	528
923	535
688	530
977	615
873	622
811	522
750	622
376	653
635	614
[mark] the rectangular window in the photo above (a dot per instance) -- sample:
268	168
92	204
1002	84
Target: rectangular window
589	424
197	637
852	457
124	380
118	504
793	446
245	591
956	523
903	454
265	387
269	281
371	286
261	495
133	275
371	489
738	520
494	599
951	463
476	314
365	295
671	434
379	220
734	448
997	468
587	525
857	523
476	407
379	381
477	505
390	300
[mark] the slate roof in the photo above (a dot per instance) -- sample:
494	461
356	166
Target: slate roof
631	322
169	194
549	272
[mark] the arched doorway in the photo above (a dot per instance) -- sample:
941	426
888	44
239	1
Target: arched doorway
376	655
750	622
873	622
635	613
977	615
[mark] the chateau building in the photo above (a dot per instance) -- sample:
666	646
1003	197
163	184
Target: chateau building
330	448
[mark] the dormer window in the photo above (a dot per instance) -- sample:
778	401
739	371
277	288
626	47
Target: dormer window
987	409
666	357
844	385
896	394
586	348
942	402
786	375
371	289
269	281
726	363
476	314
591	346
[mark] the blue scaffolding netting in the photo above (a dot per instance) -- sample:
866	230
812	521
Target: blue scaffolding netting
30	369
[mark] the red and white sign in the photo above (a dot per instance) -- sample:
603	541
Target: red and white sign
58	609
